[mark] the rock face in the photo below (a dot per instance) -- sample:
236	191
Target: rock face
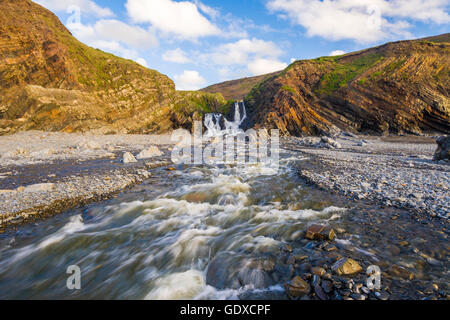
400	87
51	81
443	149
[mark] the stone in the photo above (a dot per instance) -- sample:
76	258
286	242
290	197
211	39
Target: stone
329	143
318	271
128	158
400	272
151	152
382	295
327	286
443	149
346	266
297	287
320	293
320	232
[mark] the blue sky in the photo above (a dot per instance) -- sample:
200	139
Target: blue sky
202	42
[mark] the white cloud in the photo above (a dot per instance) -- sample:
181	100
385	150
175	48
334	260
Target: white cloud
182	19
177	55
337	53
131	35
189	80
116	37
362	21
263	66
240	52
209	11
245	57
85	6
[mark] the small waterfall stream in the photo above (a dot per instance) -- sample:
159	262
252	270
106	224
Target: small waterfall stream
213	122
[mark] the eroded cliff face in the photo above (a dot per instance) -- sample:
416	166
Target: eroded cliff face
401	87
51	81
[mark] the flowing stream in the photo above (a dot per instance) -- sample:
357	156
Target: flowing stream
209	232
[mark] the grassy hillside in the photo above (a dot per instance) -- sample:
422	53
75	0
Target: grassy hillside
237	89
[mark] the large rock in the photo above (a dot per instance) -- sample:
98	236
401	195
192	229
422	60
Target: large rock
319	232
297	287
346	266
128	158
151	152
443	149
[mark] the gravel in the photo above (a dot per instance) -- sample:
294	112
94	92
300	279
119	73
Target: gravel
396	171
44	173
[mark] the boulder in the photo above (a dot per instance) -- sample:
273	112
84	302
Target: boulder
320	232
346	266
443	149
297	287
128	158
151	152
327	142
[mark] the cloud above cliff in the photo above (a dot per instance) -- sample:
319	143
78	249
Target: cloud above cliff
361	21
85	6
182	19
189	80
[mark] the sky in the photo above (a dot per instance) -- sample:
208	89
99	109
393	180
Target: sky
201	42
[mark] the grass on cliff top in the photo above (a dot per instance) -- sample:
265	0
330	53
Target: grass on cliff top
343	73
95	68
200	102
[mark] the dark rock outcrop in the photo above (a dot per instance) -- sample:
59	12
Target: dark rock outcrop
443	149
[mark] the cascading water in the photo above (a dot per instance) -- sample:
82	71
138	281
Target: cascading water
233	126
213	121
212	124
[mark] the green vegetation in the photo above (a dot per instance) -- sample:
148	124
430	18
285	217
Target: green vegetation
188	102
343	73
287	88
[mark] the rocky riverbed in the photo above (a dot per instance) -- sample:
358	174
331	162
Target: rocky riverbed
219	232
393	171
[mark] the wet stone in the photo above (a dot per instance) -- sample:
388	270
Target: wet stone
318	271
320	232
381	295
320	293
297	287
400	272
327	286
346	266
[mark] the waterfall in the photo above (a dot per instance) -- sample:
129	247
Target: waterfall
213	122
